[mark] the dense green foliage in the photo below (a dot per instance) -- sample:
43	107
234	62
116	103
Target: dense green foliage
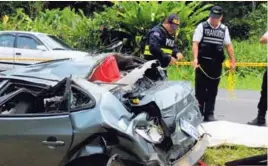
245	18
32	8
135	18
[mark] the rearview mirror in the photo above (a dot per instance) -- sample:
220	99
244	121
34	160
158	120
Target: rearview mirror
41	47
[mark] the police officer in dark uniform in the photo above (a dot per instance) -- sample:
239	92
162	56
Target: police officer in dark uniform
260	120
160	42
209	40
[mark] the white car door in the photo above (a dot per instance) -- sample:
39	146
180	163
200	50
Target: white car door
27	50
7	41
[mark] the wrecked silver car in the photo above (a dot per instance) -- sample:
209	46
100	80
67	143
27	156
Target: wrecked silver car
54	113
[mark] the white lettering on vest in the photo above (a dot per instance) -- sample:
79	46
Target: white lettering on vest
169	42
214	33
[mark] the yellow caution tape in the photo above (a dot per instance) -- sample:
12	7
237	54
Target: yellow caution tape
184	63
249	64
25	59
231	84
227	64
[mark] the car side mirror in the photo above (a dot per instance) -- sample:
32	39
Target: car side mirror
41	47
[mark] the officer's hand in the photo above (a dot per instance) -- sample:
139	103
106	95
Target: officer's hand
179	56
195	63
173	61
233	64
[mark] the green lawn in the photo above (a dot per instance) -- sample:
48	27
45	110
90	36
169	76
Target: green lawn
219	156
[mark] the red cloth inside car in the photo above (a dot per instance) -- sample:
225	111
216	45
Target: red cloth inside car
107	71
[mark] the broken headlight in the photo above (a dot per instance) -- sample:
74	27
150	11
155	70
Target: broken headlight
151	132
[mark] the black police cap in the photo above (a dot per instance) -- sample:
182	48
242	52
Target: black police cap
216	12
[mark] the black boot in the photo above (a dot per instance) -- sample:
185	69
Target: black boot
259	121
209	118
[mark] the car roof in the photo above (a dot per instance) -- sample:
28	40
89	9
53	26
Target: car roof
25	32
60	68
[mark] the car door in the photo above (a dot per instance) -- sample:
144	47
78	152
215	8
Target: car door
40	139
7	41
26	50
34	140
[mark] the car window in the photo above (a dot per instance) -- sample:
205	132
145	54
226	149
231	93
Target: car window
7	40
27	43
17	98
54	42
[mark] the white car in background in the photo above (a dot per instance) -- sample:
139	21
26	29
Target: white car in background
20	48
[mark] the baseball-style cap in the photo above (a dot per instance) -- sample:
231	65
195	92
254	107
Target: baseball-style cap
216	12
174	21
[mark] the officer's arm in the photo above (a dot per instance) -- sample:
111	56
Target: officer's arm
155	48
264	38
175	50
195	49
198	34
229	46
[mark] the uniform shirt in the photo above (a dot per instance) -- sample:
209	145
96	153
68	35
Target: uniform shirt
198	34
159	38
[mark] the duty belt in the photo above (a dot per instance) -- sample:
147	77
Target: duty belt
148	53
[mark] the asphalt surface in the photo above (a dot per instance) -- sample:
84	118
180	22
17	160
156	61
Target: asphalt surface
240	109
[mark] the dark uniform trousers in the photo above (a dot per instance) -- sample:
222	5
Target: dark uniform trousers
262	105
206	89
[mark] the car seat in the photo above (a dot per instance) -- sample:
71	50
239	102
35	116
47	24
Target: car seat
24	100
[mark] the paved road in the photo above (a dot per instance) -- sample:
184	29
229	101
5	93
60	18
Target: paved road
241	109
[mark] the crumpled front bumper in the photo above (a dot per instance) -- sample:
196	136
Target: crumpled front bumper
194	155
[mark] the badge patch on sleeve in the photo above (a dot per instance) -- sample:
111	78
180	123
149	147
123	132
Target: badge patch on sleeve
156	34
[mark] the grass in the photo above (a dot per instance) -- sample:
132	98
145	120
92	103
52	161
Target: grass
251	81
219	156
250	50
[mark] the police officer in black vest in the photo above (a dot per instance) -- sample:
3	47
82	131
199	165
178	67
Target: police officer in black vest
160	42
209	40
